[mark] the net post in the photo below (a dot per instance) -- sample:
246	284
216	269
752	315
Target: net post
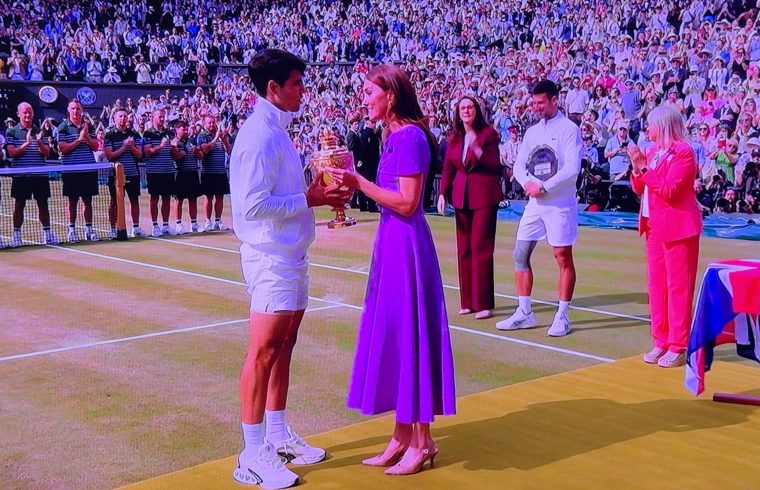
121	220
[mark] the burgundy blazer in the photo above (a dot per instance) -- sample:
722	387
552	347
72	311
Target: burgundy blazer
673	210
474	182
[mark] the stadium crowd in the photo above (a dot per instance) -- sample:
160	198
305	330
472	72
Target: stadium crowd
614	62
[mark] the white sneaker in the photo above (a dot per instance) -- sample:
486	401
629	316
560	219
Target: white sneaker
73	237
90	235
49	238
165	229
156	231
560	326
218	225
518	321
113	234
297	451
179	229
16	240
194	227
208	225
137	231
266	469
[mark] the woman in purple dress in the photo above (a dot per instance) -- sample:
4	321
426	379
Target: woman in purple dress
403	358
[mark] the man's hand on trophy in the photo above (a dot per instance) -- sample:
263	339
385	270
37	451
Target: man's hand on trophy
343	178
533	189
319	194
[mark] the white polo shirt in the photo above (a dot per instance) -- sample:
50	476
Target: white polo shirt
564	138
267	187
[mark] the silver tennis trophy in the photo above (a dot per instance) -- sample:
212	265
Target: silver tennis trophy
542	163
332	155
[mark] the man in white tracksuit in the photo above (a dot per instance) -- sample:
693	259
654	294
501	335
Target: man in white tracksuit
547	166
273	219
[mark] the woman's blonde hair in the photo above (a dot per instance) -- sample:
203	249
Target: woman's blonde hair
666	123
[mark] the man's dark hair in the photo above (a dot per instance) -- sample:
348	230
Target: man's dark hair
273	64
546	87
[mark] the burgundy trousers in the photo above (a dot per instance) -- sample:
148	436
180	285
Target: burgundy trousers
476	235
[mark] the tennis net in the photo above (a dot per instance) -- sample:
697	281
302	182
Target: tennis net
36	204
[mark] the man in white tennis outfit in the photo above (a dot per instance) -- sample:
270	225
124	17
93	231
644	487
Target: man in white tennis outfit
547	166
273	219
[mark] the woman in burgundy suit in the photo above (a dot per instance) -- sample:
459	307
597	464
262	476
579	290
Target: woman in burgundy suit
672	222
470	182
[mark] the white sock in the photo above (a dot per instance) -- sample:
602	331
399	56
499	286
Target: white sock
277	428
253	437
524	302
564	308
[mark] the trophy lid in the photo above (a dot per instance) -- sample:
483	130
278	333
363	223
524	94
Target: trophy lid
328	141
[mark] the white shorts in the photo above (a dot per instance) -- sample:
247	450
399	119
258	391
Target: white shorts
557	224
275	283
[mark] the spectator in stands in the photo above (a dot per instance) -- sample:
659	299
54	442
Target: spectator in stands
143	71
94	70
112	76
508	155
616	152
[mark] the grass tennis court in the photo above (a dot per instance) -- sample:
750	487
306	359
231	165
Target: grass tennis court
120	360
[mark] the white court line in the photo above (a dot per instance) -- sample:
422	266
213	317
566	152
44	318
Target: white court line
533	344
143	336
346	305
178	271
446	286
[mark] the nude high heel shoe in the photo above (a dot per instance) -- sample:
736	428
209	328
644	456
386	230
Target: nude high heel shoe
413	461
392	455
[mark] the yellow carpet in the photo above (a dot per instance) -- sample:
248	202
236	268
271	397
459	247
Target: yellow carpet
617	426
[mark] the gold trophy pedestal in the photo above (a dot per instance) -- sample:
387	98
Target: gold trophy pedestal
341	220
331	155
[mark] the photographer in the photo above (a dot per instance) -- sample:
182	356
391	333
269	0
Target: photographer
590	179
750	180
728	203
752	155
616	152
710	193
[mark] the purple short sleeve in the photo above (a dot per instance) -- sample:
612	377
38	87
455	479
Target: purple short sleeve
412	151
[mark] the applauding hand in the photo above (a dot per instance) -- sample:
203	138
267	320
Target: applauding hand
638	159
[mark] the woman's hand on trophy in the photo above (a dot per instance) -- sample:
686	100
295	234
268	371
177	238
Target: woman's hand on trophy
441	205
319	194
343	178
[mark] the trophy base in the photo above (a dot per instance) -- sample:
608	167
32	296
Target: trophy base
341	220
345	223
